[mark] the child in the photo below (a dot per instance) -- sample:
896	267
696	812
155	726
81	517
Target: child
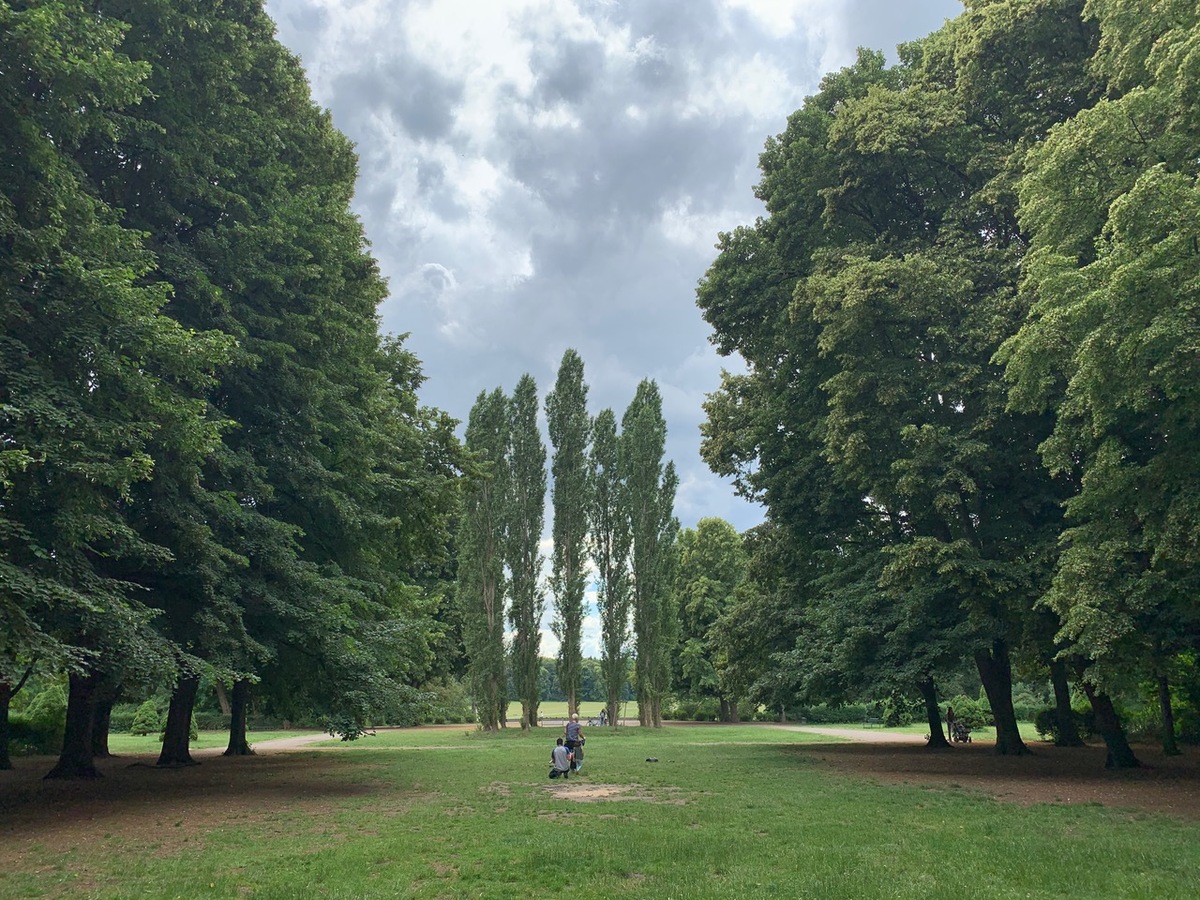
560	761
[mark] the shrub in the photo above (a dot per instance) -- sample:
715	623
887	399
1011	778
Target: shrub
899	710
146	720
972	713
211	721
1046	722
27	737
448	702
39	728
120	720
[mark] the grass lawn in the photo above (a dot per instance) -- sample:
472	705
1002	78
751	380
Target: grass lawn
555	709
150	743
727	811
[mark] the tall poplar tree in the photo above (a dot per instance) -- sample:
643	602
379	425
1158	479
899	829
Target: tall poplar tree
481	555
525	517
648	498
609	540
566	413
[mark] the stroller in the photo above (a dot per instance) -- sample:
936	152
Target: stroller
959	733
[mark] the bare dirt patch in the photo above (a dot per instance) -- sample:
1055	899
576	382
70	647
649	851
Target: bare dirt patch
599	793
1165	784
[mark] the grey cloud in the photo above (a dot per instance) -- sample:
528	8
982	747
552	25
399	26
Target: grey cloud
421	98
568	70
585	201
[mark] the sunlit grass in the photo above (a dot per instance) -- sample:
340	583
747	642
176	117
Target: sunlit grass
150	743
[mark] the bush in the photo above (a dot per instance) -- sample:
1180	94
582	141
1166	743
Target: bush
146	720
972	713
211	721
1046	723
448	702
824	714
27	737
120	720
39	728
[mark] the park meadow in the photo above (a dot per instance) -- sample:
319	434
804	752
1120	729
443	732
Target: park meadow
723	811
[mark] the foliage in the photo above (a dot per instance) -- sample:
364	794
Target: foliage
524	514
570	434
712	565
147	719
481	585
647	499
973	713
609	538
1046	722
448	702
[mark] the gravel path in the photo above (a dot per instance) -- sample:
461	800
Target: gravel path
864	735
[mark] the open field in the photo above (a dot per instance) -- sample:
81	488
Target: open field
727	811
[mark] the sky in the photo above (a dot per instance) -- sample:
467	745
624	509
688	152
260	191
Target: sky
537	175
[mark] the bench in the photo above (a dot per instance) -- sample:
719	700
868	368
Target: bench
872	720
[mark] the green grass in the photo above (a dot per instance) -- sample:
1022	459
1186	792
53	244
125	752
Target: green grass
555	709
728	811
150	743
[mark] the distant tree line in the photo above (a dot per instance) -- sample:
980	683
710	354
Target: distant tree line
211	464
970	401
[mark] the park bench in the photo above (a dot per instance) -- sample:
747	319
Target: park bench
872	720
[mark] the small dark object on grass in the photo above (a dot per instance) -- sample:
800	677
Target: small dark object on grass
651	759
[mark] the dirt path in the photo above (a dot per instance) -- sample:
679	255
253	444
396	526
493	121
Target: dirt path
862	735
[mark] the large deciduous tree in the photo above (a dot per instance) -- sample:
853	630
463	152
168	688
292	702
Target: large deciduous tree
1111	206
94	379
569	424
712	565
869	305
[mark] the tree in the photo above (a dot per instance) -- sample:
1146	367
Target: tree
869	306
1109	202
712	564
94	379
609	537
482	537
567	417
526	503
648	499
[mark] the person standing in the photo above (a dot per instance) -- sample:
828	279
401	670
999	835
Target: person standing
575	740
950	723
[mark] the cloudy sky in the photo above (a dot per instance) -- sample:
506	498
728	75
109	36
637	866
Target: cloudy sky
544	174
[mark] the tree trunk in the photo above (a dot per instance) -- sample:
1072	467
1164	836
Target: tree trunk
177	736
222	698
1120	754
101	719
76	759
1170	747
6	693
937	737
729	711
238	745
995	671
1067	733
108	689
